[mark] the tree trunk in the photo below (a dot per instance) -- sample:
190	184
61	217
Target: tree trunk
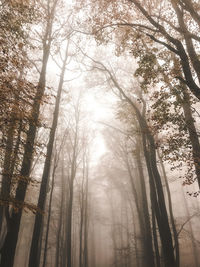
93	246
10	159
137	260
158	204
33	258
49	215
81	226
69	228
148	234
8	170
113	235
155	239
176	243
85	255
60	224
68	243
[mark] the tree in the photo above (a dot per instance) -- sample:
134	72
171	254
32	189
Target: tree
15	20
8	250
176	36
74	144
34	259
149	149
172	107
84	211
131	159
157	32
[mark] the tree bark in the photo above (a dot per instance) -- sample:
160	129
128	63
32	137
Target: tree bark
142	213
155	239
60	224
85	254
49	215
176	242
148	233
68	241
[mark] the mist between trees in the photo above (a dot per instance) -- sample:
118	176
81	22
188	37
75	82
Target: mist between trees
99	128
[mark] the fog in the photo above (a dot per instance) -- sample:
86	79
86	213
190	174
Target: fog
99	128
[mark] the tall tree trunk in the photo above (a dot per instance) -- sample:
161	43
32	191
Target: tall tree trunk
8	170
49	215
176	243
113	232
10	156
156	187
120	229
7	175
33	258
142	210
93	246
69	227
136	249
81	236
60	224
86	214
68	241
128	252
148	234
155	239
158	204
81	239
81	220
137	204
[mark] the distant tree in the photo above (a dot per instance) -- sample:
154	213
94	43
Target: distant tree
127	149
73	149
84	210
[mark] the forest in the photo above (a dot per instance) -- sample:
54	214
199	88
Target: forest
99	133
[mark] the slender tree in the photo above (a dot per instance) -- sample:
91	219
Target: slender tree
33	258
